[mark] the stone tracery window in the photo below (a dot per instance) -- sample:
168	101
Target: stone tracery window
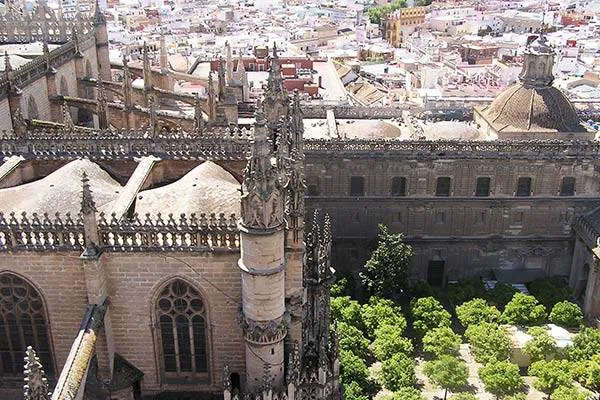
181	316
22	323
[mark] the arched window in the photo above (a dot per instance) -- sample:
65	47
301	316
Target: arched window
181	316
22	323
32	110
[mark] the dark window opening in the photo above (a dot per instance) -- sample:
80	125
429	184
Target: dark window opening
443	186
524	186
567	186
357	186
483	187
435	273
182	327
22	323
398	186
313	187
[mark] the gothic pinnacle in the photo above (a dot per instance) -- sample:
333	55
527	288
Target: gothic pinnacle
87	201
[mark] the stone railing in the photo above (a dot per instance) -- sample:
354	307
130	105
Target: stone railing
353	112
203	233
183	233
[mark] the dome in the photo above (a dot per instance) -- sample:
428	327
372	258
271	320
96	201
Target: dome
208	188
61	191
532	109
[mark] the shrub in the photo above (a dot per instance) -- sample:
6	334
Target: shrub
463	396
353	391
406	393
423	289
448	372
353	368
340	288
398	372
566	314
351	339
428	313
466	289
542	346
381	312
550	291
524	310
389	341
344	309
501	378
440	341
551	375
489	342
569	393
591	373
501	294
476	311
585	345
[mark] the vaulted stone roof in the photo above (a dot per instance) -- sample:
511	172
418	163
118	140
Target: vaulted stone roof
208	188
61	191
532	109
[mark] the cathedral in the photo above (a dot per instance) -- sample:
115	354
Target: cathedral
146	254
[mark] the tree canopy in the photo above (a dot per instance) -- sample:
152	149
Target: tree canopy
569	393
427	314
398	372
344	309
585	345
448	372
389	341
441	341
551	375
567	314
386	272
542	346
380	312
489	342
476	311
352	339
376	14
524	310
405	393
501	378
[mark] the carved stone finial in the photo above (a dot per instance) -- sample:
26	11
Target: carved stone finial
67	121
19	123
146	68
75	38
101	105
152	118
36	384
87	201
198	118
98	18
227	378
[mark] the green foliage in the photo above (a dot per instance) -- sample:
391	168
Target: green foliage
516	396
542	346
428	313
441	341
423	289
501	294
466	289
381	312
551	375
352	339
405	393
489	342
344	309
524	310
501	378
448	372
590	374
463	396
585	345
340	288
386	272
569	393
353	391
476	311
422	3
398	372
389	341
353	368
567	314
376	14
550	291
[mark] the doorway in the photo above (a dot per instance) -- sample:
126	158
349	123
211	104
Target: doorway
435	272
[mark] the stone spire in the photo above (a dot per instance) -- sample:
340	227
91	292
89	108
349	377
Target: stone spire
127	82
229	62
102	105
212	101
98	18
88	215
147	69
262	191
152	118
36	384
164	56
275	81
276	99
198	118
221	79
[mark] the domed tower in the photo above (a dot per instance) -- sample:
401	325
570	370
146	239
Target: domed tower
262	262
532	108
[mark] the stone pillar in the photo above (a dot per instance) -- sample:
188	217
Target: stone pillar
262	263
101	36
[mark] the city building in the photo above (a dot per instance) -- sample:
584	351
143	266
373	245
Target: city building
403	22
